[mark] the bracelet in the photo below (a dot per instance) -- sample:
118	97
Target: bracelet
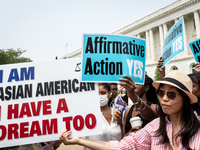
138	100
138	109
143	107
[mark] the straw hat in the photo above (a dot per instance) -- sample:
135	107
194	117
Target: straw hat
180	81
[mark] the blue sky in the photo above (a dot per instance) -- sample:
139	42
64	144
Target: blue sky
44	27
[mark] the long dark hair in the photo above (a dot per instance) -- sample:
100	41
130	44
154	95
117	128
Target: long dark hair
195	77
190	123
151	92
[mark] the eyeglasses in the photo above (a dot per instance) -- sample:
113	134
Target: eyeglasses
170	95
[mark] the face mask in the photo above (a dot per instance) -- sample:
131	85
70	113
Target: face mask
103	100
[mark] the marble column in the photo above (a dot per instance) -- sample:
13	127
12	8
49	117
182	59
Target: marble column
176	20
185	36
197	23
138	35
147	46
161	39
151	44
165	29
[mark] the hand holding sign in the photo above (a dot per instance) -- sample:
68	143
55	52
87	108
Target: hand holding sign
161	70
160	63
64	138
38	102
129	85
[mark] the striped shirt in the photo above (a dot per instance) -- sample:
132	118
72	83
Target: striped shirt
145	139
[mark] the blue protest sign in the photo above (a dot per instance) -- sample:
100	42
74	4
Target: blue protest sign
174	42
106	58
195	48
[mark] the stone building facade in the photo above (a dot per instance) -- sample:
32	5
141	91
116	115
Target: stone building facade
154	27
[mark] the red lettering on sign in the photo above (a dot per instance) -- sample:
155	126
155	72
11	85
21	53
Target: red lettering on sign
13	130
24	129
29	110
25	110
49	127
93	121
13	111
35	128
47	107
16	131
62	105
35	111
78	122
3	132
67	121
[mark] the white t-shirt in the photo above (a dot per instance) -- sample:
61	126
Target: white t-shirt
110	131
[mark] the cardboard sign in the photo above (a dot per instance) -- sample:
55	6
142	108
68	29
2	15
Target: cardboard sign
174	42
195	48
106	58
38	101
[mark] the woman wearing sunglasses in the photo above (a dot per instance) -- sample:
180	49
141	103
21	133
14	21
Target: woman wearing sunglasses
176	128
195	77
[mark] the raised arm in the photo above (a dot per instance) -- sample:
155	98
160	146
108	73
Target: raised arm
147	112
92	144
161	70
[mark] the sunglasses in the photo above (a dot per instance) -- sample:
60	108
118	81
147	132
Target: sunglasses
170	95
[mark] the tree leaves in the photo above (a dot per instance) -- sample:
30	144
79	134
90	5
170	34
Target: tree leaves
10	56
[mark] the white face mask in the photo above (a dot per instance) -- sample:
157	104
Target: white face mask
103	99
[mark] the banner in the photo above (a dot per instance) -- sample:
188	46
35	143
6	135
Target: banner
106	58
38	101
195	48
174	42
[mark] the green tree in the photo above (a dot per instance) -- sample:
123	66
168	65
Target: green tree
10	56
157	75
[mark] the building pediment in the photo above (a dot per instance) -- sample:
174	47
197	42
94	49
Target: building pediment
161	13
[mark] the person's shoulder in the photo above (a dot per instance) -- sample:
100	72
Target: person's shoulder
155	121
153	125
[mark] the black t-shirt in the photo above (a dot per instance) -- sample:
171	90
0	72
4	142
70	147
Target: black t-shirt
129	116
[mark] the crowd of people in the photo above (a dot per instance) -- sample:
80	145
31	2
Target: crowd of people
164	106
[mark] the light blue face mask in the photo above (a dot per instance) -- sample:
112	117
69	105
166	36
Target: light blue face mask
103	99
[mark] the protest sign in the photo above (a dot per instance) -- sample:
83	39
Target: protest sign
174	42
38	101
195	48
106	58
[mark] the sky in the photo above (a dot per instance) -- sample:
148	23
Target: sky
50	28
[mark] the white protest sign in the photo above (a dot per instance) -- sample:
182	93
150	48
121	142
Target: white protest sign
40	100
